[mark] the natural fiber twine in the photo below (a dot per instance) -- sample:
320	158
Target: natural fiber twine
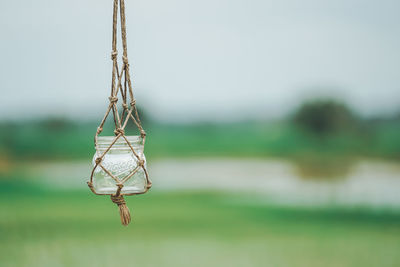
123	209
129	113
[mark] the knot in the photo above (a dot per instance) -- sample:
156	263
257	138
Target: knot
142	133
140	163
133	102
98	160
119	131
113	99
125	106
125	60
99	130
114	54
119	200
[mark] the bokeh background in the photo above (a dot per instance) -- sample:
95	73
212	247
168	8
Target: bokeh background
273	133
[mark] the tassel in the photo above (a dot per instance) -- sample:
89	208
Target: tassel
123	209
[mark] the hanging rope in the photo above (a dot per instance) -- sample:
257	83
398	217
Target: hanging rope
129	112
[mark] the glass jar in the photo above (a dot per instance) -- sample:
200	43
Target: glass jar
120	162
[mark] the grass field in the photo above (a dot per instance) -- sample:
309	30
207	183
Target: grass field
41	227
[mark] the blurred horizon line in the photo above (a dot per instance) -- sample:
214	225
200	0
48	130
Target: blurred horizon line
224	117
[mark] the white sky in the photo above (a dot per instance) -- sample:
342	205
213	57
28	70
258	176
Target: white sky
206	60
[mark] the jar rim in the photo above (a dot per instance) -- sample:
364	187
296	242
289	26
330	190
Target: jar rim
133	139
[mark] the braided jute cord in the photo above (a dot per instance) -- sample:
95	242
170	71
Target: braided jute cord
129	112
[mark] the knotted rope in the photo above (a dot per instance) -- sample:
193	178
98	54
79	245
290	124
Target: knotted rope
129	112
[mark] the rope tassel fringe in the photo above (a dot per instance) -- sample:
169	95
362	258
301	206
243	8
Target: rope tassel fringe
123	209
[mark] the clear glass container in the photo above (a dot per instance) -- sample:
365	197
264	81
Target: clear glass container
120	162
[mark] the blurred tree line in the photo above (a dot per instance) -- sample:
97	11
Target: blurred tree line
326	117
317	128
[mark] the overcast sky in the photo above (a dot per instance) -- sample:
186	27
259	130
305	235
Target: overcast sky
208	59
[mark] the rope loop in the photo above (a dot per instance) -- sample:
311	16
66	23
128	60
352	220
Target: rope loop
133	102
125	106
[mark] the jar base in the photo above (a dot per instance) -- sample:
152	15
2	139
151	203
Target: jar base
125	190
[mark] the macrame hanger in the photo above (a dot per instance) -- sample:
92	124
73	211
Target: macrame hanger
129	112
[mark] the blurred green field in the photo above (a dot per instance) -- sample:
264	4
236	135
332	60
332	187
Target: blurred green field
43	227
